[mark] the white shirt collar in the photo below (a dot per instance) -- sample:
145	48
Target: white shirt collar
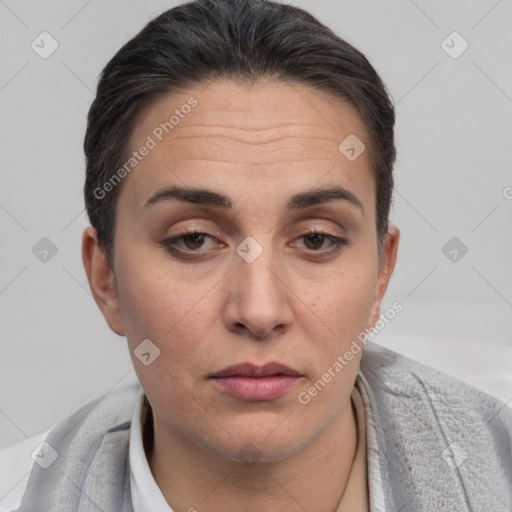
373	454
146	495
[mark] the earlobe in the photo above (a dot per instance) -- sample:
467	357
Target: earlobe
101	280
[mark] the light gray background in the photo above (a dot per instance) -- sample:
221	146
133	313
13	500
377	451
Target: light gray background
454	133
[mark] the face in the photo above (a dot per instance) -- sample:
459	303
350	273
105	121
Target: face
228	253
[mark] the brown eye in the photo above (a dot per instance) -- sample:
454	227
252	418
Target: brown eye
314	240
189	245
193	240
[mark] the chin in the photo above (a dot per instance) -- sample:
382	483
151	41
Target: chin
251	445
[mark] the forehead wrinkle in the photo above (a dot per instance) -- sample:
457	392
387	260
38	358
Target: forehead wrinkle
289	121
245	126
249	152
271	148
255	134
247	134
252	164
251	142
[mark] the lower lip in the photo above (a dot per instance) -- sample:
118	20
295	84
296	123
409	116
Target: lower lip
256	389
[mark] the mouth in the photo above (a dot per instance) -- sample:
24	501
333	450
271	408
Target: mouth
249	382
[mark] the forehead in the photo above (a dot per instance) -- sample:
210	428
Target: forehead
291	109
287	135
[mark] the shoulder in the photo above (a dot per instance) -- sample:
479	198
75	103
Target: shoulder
392	374
16	461
102	424
437	435
94	424
107	410
410	397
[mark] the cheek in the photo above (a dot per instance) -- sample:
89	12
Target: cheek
345	304
176	321
173	315
335	320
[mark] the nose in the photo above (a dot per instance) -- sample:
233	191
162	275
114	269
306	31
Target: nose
258	297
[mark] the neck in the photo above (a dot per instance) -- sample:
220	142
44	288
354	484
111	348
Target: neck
313	479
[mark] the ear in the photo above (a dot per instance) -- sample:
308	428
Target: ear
386	267
101	280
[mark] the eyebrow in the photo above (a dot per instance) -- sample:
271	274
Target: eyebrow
299	201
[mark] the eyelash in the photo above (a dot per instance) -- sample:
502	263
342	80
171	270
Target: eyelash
338	243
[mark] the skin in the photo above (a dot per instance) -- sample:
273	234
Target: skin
258	144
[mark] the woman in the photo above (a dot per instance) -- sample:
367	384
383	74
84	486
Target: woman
239	181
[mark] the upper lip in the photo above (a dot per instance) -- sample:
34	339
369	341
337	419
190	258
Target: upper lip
251	370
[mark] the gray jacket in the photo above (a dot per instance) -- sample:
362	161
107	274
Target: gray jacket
443	446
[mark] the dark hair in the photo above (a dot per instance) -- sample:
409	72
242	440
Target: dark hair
238	39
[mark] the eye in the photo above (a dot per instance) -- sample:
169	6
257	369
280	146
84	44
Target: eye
191	244
315	240
192	241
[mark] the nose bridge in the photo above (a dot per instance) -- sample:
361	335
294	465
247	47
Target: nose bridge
256	267
257	291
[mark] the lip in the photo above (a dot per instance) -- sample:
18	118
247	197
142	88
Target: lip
253	383
252	370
